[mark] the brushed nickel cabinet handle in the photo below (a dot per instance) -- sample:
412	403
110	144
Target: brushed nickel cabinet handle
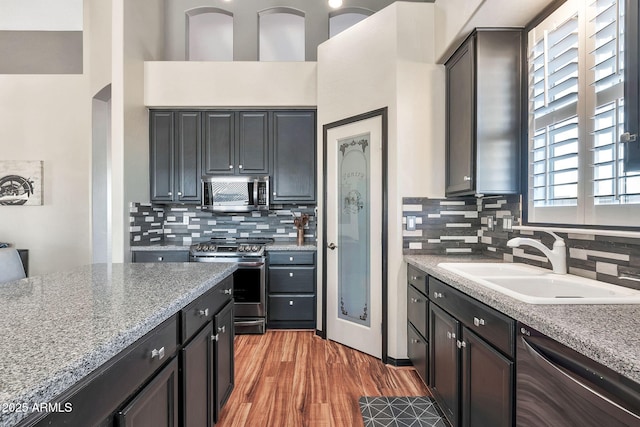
157	353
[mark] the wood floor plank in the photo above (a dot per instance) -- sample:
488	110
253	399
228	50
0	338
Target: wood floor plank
294	378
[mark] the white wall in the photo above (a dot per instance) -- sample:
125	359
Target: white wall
47	117
387	60
99	30
226	84
41	15
138	36
455	19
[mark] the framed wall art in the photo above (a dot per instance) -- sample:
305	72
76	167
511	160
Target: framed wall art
20	182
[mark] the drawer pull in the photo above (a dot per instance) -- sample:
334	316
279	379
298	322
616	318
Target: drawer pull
214	337
160	258
414	278
204	312
461	344
222	329
290	258
451	335
437	295
290	302
157	353
416	300
227	291
290	274
478	322
414	341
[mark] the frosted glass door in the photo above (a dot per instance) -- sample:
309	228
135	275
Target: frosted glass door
353	229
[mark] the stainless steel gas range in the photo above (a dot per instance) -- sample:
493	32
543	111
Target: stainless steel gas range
249	280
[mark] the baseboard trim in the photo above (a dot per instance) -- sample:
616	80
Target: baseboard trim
398	362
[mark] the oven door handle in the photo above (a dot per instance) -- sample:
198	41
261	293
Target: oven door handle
250	264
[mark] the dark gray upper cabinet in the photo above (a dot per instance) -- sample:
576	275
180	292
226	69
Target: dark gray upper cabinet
187	163
483	104
294	157
235	143
253	145
161	156
175	156
218	144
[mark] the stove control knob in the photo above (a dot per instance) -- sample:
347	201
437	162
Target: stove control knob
241	248
254	248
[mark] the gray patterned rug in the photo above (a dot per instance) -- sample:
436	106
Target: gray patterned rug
418	411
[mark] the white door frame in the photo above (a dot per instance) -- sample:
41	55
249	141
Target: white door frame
382	112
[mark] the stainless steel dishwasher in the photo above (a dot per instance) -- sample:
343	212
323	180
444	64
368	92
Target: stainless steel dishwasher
557	386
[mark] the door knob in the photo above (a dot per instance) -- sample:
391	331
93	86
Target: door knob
332	246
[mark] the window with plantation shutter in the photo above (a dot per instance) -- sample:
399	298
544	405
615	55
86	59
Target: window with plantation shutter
576	66
611	183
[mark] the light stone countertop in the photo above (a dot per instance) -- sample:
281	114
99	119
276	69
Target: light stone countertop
159	247
58	328
276	246
283	246
608	334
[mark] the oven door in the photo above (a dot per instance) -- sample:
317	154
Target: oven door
249	289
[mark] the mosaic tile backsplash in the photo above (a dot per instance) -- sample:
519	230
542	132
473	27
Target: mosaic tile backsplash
460	226
184	224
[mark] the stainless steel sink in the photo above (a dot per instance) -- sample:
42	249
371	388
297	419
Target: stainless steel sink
539	286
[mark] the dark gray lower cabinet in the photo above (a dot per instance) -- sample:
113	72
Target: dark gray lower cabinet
223	357
197	379
445	362
472	359
160	256
182	372
157	404
207	363
291	278
418	352
487	384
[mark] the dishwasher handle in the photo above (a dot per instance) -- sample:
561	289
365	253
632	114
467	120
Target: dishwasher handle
608	387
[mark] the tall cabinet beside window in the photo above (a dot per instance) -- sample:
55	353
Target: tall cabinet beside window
483	104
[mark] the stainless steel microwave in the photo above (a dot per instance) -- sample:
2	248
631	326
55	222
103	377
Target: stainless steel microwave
235	193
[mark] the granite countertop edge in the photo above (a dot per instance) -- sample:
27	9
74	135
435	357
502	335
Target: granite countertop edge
580	327
62	380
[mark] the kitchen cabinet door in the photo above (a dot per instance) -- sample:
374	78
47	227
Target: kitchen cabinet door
218	147
445	362
188	172
294	157
162	156
156	404
223	357
487	384
418	352
483	108
460	119
197	379
253	143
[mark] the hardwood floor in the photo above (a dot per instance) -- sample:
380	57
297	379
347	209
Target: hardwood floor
294	378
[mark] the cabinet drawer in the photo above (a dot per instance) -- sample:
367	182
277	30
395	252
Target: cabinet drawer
417	279
418	352
95	398
417	310
291	307
161	256
292	258
199	312
291	279
490	324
